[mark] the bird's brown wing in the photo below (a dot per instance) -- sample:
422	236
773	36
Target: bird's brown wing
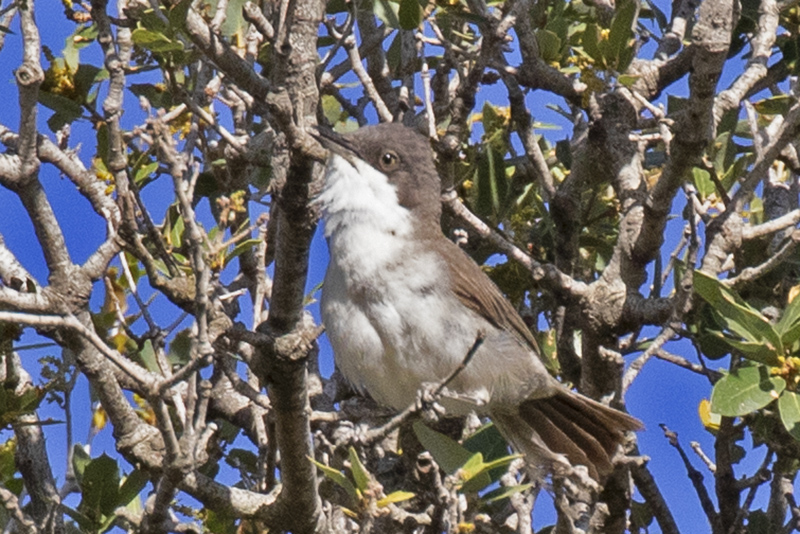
486	299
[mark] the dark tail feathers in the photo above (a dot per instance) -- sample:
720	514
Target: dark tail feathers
584	431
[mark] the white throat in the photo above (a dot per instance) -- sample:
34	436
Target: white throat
358	195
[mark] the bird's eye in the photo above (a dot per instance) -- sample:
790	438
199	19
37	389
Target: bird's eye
389	160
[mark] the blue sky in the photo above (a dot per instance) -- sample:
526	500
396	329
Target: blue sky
661	394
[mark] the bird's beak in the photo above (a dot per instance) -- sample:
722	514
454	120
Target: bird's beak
336	144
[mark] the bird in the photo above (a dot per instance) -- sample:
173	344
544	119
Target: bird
403	305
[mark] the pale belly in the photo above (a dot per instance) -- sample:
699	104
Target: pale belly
391	339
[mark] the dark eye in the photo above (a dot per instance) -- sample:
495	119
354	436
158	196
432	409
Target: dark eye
389	160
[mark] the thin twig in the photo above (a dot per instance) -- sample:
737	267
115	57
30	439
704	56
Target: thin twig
252	14
71	322
756	481
749	274
698	450
694	475
666	334
680	361
540	271
365	79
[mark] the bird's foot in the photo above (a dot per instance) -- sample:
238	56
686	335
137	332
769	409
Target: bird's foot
349	434
427	402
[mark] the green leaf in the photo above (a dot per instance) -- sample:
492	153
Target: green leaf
641	516
178	13
337	477
103	144
494	125
80	459
790	317
676	104
219	522
409	14
8	466
791	335
472	467
100	488
309	298
549	45
243	460
752	350
360	473
134	483
67	110
724	152
387	11
156	95
332	109
234	19
86	524
177	227
504	492
774	105
147	357
332	7
154	22
659	16
15	486
739	317
488	441
240	249
448	453
732	174
745	390
28	401
620	33
591	40
789	406
144	172
395	497
564	153
4	408
180	350
702	181
491	182
480	478
155	41
628	80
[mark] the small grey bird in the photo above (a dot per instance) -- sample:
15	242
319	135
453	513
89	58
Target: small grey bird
403	305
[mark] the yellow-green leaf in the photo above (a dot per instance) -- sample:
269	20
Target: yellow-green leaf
395	497
360	473
336	477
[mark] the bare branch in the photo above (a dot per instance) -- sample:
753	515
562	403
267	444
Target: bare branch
761	50
647	486
355	60
541	272
696	477
137	373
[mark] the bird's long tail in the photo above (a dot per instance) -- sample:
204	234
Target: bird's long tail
566	425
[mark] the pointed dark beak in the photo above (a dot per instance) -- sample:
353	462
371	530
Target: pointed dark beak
335	143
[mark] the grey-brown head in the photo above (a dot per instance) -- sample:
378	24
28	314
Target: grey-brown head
403	155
